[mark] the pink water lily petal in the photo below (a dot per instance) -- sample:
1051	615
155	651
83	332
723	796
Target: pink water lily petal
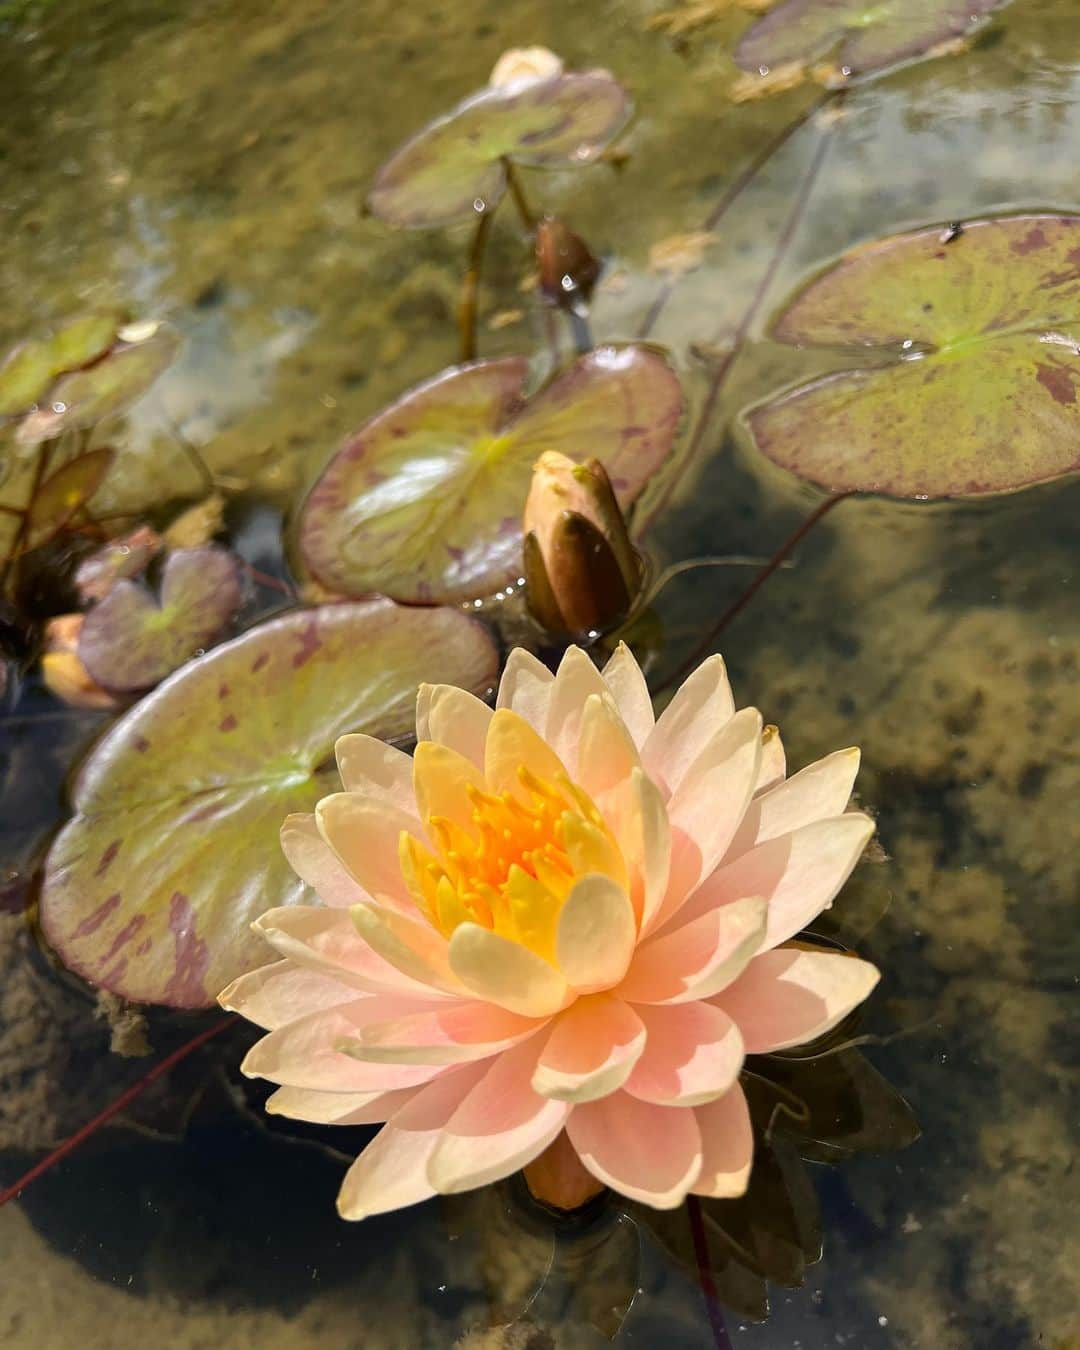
819	791
575	679
364	833
411	946
337	1108
606	754
375	769
790	996
799	874
276	994
707	806
700	707
391	1173
596	933
512	744
314	861
501	1125
691	1055
591	1050
727	1139
624	678
636	815
503	972
454	718
440	778
645	1152
698	959
773	767
525	688
454	1034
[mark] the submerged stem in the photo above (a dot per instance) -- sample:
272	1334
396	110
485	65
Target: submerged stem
470	286
708	1286
517	192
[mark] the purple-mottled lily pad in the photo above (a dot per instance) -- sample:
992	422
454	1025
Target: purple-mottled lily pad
982	393
63	494
151	888
30	368
131	641
862	36
85	397
454	166
424	503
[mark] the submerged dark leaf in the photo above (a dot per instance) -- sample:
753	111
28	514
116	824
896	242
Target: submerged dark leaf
63	494
30	368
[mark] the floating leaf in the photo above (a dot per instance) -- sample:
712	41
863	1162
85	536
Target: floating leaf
112	384
173	849
424	503
130	641
63	494
31	367
860	35
439	176
982	394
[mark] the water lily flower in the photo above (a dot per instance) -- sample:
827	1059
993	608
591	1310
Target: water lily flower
62	669
560	914
525	65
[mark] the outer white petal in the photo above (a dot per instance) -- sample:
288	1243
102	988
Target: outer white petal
314	861
276	994
575	680
624	678
375	769
646	1152
700	707
454	718
525	688
817	792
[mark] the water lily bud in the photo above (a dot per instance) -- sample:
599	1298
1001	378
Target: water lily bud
568	270
525	65
64	674
581	571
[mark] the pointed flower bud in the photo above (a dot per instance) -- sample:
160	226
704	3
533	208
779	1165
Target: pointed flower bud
525	65
582	574
568	270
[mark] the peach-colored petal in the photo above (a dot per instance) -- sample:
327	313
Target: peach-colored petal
411	946
646	1152
575	680
799	874
454	718
337	1108
727	1140
501	1124
503	972
636	815
707	806
454	1034
314	861
700	707
691	1055
623	677
525	688
364	834
606	754
790	996
391	1173
281	992
596	933
375	769
592	1048
513	744
440	779
817	792
698	959
773	760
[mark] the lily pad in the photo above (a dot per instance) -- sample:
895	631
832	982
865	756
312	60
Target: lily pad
30	368
130	641
424	503
173	850
860	35
85	397
454	166
975	382
63	494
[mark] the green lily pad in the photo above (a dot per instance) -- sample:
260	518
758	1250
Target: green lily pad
63	494
173	850
130	641
424	503
453	167
30	368
981	392
85	397
860	35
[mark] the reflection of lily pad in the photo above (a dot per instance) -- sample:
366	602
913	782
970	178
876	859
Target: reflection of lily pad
85	397
129	641
173	850
30	368
982	393
424	503
439	176
861	35
63	494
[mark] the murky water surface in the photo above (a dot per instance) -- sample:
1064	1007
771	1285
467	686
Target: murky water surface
209	162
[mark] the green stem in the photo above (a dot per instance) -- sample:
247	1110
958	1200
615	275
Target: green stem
513	182
470	286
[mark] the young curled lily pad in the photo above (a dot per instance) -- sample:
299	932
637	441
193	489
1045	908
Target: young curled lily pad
172	852
30	368
974	385
131	641
424	503
861	36
63	494
454	166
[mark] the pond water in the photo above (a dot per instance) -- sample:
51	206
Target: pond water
209	163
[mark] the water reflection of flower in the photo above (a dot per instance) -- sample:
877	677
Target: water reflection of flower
561	914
